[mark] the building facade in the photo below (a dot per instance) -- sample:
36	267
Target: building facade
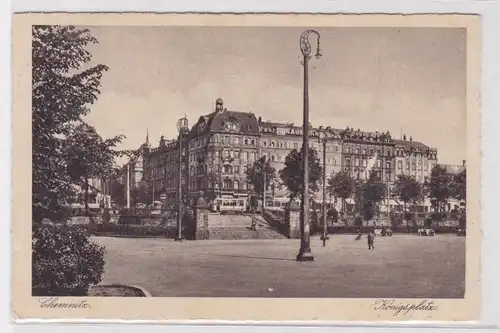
414	159
221	145
363	152
278	140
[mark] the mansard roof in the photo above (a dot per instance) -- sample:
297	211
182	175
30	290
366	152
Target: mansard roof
407	144
217	121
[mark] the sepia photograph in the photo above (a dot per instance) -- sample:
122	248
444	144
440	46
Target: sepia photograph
251	161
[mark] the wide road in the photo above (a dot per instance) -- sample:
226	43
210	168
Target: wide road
402	266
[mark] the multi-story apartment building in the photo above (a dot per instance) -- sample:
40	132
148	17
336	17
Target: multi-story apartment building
221	145
366	151
278	140
161	167
414	158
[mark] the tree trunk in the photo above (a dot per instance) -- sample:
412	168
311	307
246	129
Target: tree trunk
86	196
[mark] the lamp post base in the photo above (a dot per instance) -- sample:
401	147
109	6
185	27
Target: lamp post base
305	255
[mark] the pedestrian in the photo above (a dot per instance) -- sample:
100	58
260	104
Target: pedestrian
371	238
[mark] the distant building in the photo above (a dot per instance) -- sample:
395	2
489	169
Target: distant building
278	140
221	145
414	159
358	150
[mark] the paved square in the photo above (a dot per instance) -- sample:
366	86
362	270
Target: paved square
402	266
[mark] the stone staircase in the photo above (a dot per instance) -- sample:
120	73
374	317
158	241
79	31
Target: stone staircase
226	227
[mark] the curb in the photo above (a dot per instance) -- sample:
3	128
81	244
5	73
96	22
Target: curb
144	291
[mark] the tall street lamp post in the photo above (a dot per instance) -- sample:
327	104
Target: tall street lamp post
323	138
305	248
182	127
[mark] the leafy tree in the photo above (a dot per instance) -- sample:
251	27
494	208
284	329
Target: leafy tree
370	193
292	175
261	169
89	156
63	88
341	185
118	191
438	187
64	85
407	189
459	186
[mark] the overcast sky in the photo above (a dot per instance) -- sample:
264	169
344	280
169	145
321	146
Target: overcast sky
369	78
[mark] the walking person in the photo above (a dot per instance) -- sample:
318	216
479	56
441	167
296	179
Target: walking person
371	238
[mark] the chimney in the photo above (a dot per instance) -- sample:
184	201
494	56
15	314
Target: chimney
411	139
463	162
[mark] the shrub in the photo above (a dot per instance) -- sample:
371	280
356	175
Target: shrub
64	261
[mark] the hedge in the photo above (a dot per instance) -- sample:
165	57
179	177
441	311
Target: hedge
132	230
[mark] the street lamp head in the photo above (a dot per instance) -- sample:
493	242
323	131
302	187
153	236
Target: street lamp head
182	125
305	45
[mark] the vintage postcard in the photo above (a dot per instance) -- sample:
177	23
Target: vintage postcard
246	167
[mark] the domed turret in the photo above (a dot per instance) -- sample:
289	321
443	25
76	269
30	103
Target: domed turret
219	105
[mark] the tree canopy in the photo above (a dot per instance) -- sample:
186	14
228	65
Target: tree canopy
438	187
292	175
341	185
407	189
64	85
256	172
370	193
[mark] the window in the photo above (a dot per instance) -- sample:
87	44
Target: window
295	145
273	158
356	162
245	141
414	165
237	154
364	151
273	144
245	156
227	169
371	151
357	150
236	169
348	149
236	185
400	165
407	165
264	143
252	142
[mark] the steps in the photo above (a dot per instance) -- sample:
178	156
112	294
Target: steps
234	233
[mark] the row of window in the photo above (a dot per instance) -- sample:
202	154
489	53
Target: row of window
296	145
227	184
413	165
365	151
363	162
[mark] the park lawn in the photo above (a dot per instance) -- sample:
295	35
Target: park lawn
402	266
